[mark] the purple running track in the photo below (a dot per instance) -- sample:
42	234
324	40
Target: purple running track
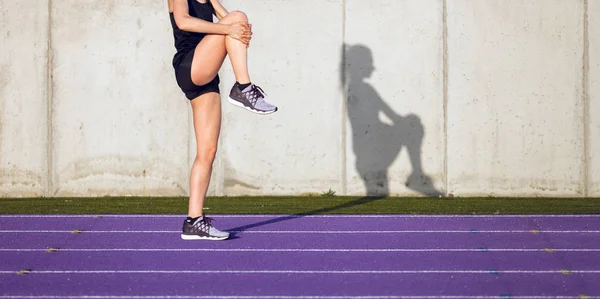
281	256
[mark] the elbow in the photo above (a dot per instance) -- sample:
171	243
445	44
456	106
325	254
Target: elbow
182	23
184	27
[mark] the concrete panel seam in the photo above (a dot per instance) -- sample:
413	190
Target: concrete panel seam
445	88
220	169
586	98
344	111
49	106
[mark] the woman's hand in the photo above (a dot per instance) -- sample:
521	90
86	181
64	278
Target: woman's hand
241	31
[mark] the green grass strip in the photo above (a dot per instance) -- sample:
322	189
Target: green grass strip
302	205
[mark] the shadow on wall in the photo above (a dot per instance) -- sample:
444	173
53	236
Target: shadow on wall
376	143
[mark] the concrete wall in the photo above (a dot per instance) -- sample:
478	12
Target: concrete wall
23	98
515	109
406	97
394	84
298	149
593	111
118	123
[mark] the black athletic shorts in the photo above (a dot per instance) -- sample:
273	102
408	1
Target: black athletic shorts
183	74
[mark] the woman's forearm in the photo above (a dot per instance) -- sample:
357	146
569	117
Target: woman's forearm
191	24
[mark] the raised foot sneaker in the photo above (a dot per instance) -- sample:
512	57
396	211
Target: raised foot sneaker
252	98
202	229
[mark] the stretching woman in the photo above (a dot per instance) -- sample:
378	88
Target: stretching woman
201	49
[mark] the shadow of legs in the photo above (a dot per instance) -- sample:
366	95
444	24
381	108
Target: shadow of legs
356	202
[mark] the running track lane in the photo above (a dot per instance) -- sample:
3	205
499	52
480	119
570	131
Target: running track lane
289	257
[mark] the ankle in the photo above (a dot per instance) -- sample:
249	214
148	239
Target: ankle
243	86
191	220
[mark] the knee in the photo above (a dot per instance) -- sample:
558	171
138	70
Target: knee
237	16
414	122
206	155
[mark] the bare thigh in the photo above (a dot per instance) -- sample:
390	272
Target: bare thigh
207	123
211	52
208	59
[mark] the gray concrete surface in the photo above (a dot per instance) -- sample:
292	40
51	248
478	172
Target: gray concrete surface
514	97
594	98
487	94
394	83
296	60
120	124
23	98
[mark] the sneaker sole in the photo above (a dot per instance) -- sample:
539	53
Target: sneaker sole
196	237
236	103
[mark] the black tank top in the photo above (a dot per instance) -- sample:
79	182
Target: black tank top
184	40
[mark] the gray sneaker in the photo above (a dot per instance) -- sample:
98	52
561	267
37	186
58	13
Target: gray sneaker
252	98
202	229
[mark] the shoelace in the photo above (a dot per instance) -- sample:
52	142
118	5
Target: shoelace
204	223
255	93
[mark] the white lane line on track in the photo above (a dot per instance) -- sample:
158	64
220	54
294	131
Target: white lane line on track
196	271
323	232
301	297
307	216
300	250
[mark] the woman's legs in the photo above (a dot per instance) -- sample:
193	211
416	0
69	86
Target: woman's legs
207	125
212	49
206	111
208	59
